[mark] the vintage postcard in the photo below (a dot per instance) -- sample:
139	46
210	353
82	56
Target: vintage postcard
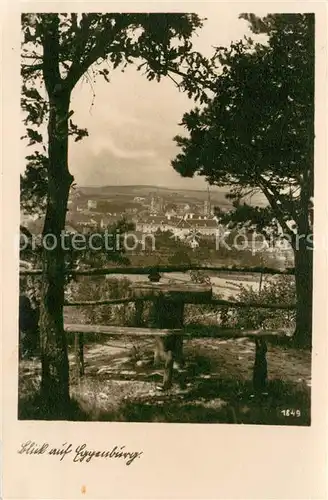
164	257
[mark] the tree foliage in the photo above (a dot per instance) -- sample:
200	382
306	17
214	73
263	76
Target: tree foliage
257	135
257	132
85	46
58	50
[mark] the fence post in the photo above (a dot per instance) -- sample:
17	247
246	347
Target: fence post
260	371
260	283
79	354
139	306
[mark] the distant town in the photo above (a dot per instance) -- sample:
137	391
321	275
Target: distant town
185	217
188	217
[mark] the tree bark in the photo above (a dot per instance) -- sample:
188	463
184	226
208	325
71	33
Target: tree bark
54	357
303	251
302	245
304	294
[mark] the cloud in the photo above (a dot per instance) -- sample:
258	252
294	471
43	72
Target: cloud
104	167
132	121
107	144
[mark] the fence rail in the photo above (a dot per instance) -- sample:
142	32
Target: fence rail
213	302
166	269
172	269
171	338
174	340
191	331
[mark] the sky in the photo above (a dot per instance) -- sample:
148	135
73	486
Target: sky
132	122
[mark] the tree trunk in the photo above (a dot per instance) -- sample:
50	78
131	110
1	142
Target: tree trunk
304	294
303	251
54	357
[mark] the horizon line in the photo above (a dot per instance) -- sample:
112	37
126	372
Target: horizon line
149	185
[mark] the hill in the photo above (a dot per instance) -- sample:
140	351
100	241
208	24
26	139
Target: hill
218	195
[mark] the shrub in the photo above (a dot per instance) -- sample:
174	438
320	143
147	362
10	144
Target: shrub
278	290
113	288
203	313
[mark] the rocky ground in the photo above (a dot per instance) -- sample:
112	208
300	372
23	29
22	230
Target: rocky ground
121	384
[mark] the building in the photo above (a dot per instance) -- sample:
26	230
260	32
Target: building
193	242
109	220
152	223
179	226
169	214
70	228
156	204
83	223
204	226
92	205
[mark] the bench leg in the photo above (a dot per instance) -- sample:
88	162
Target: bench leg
79	354
172	343
178	353
260	372
139	307
168	370
159	352
167	314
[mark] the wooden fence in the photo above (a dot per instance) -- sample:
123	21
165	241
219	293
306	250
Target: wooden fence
169	340
166	269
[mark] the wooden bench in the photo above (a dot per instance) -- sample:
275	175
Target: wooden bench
260	337
167	312
166	324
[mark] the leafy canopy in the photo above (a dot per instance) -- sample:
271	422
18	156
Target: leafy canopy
257	132
84	46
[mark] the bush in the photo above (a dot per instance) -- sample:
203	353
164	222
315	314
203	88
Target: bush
102	289
279	290
205	314
180	258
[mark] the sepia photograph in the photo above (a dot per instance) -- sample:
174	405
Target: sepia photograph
166	217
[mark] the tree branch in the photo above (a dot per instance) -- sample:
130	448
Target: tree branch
174	81
288	206
276	207
51	72
100	49
205	84
30	68
81	38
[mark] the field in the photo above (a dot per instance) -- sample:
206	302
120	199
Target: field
121	384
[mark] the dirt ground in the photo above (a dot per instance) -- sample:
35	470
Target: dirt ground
121	384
